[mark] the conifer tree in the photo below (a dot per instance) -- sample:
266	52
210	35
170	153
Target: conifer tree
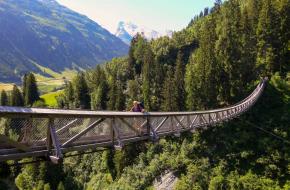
248	48
133	92
81	94
99	96
179	82
16	97
131	62
266	39
4	98
69	93
228	51
24	84
146	79
120	98
140	45
112	92
99	88
31	90
169	93
190	86
156	85
284	57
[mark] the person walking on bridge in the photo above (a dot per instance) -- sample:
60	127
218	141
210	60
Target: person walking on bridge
137	107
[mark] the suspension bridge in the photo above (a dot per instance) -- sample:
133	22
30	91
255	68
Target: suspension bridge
51	133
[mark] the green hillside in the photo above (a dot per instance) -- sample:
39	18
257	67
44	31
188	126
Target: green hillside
50	98
38	33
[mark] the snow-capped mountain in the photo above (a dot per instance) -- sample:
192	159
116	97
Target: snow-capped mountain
126	31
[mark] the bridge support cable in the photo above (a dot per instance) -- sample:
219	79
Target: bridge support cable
39	132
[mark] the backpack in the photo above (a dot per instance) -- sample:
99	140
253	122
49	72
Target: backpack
141	104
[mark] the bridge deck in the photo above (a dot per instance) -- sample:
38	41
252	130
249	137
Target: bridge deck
34	132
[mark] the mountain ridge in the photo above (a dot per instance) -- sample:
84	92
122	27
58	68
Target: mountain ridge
53	36
127	30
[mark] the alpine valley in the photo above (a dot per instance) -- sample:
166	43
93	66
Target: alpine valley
42	35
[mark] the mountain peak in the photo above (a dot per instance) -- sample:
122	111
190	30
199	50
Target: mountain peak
127	30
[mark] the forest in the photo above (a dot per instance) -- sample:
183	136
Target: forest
215	61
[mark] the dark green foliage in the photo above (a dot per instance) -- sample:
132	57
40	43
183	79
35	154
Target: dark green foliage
146	77
169	93
66	100
179	83
267	31
81	93
30	93
216	61
3	185
4	98
131	61
97	82
24	79
16	97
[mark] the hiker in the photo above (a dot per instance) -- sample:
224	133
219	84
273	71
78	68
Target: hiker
137	107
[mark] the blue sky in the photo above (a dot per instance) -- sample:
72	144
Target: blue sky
159	15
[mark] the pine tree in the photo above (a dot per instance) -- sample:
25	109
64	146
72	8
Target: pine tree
284	57
140	44
24	84
69	94
217	6
133	92
179	82
81	93
30	90
202	72
16	97
146	79
4	98
169	93
228	51
131	62
66	100
112	92
99	88
248	49
267	32
120	97
156	85
190	86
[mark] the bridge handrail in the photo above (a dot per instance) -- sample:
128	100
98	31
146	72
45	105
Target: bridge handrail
49	112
